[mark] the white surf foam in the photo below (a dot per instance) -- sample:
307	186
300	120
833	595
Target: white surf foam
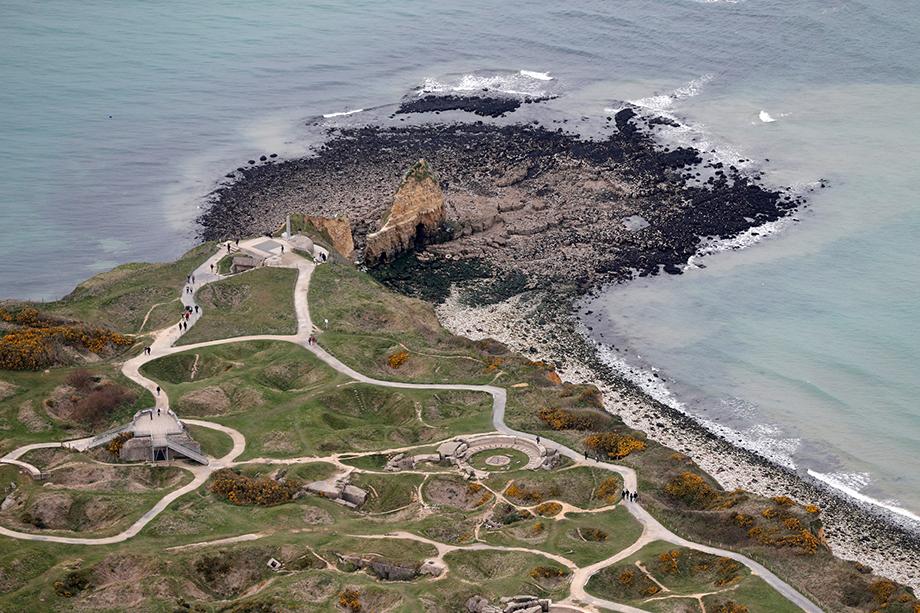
766	117
341	113
662	102
766	440
520	83
851	483
540	76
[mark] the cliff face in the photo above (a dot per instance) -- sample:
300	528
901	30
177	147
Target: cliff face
339	231
416	214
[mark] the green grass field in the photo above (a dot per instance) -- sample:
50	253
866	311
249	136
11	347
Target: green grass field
287	403
661	569
260	301
25	416
121	298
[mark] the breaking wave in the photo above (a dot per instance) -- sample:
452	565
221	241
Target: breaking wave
851	484
519	83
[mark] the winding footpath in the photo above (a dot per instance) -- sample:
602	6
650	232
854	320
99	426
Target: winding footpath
164	344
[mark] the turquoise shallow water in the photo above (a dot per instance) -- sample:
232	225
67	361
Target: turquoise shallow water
117	118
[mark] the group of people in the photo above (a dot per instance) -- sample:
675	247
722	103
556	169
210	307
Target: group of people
147	350
630	496
311	340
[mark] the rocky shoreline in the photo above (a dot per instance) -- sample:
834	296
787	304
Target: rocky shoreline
854	530
536	211
559	209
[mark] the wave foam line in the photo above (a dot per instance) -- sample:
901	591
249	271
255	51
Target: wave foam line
539	76
660	102
341	113
837	484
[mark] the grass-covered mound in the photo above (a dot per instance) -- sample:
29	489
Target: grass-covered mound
661	571
288	403
582	486
84	498
584	538
65	403
122	298
260	301
32	340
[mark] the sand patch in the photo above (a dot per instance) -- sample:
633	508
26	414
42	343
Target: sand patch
30	419
315	588
456	493
316	516
7	389
279	442
498	460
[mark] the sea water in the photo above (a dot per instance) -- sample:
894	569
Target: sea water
117	119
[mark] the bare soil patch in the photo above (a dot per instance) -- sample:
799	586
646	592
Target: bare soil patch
456	493
211	400
279	442
30	419
86	476
7	390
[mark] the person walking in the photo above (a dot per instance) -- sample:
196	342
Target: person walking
212	267
538	440
228	247
158	390
196	309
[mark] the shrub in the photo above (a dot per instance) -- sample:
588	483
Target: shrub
615	446
494	364
114	446
397	359
693	491
783	501
609	490
595	535
242	490
667	562
72	583
548	509
81	379
97	407
564	419
745	521
38	342
537	529
350	600
531	494
547	572
804	540
813	509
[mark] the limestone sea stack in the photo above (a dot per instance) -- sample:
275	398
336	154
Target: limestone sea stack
416	215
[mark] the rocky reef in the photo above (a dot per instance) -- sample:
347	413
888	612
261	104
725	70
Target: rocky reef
525	204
